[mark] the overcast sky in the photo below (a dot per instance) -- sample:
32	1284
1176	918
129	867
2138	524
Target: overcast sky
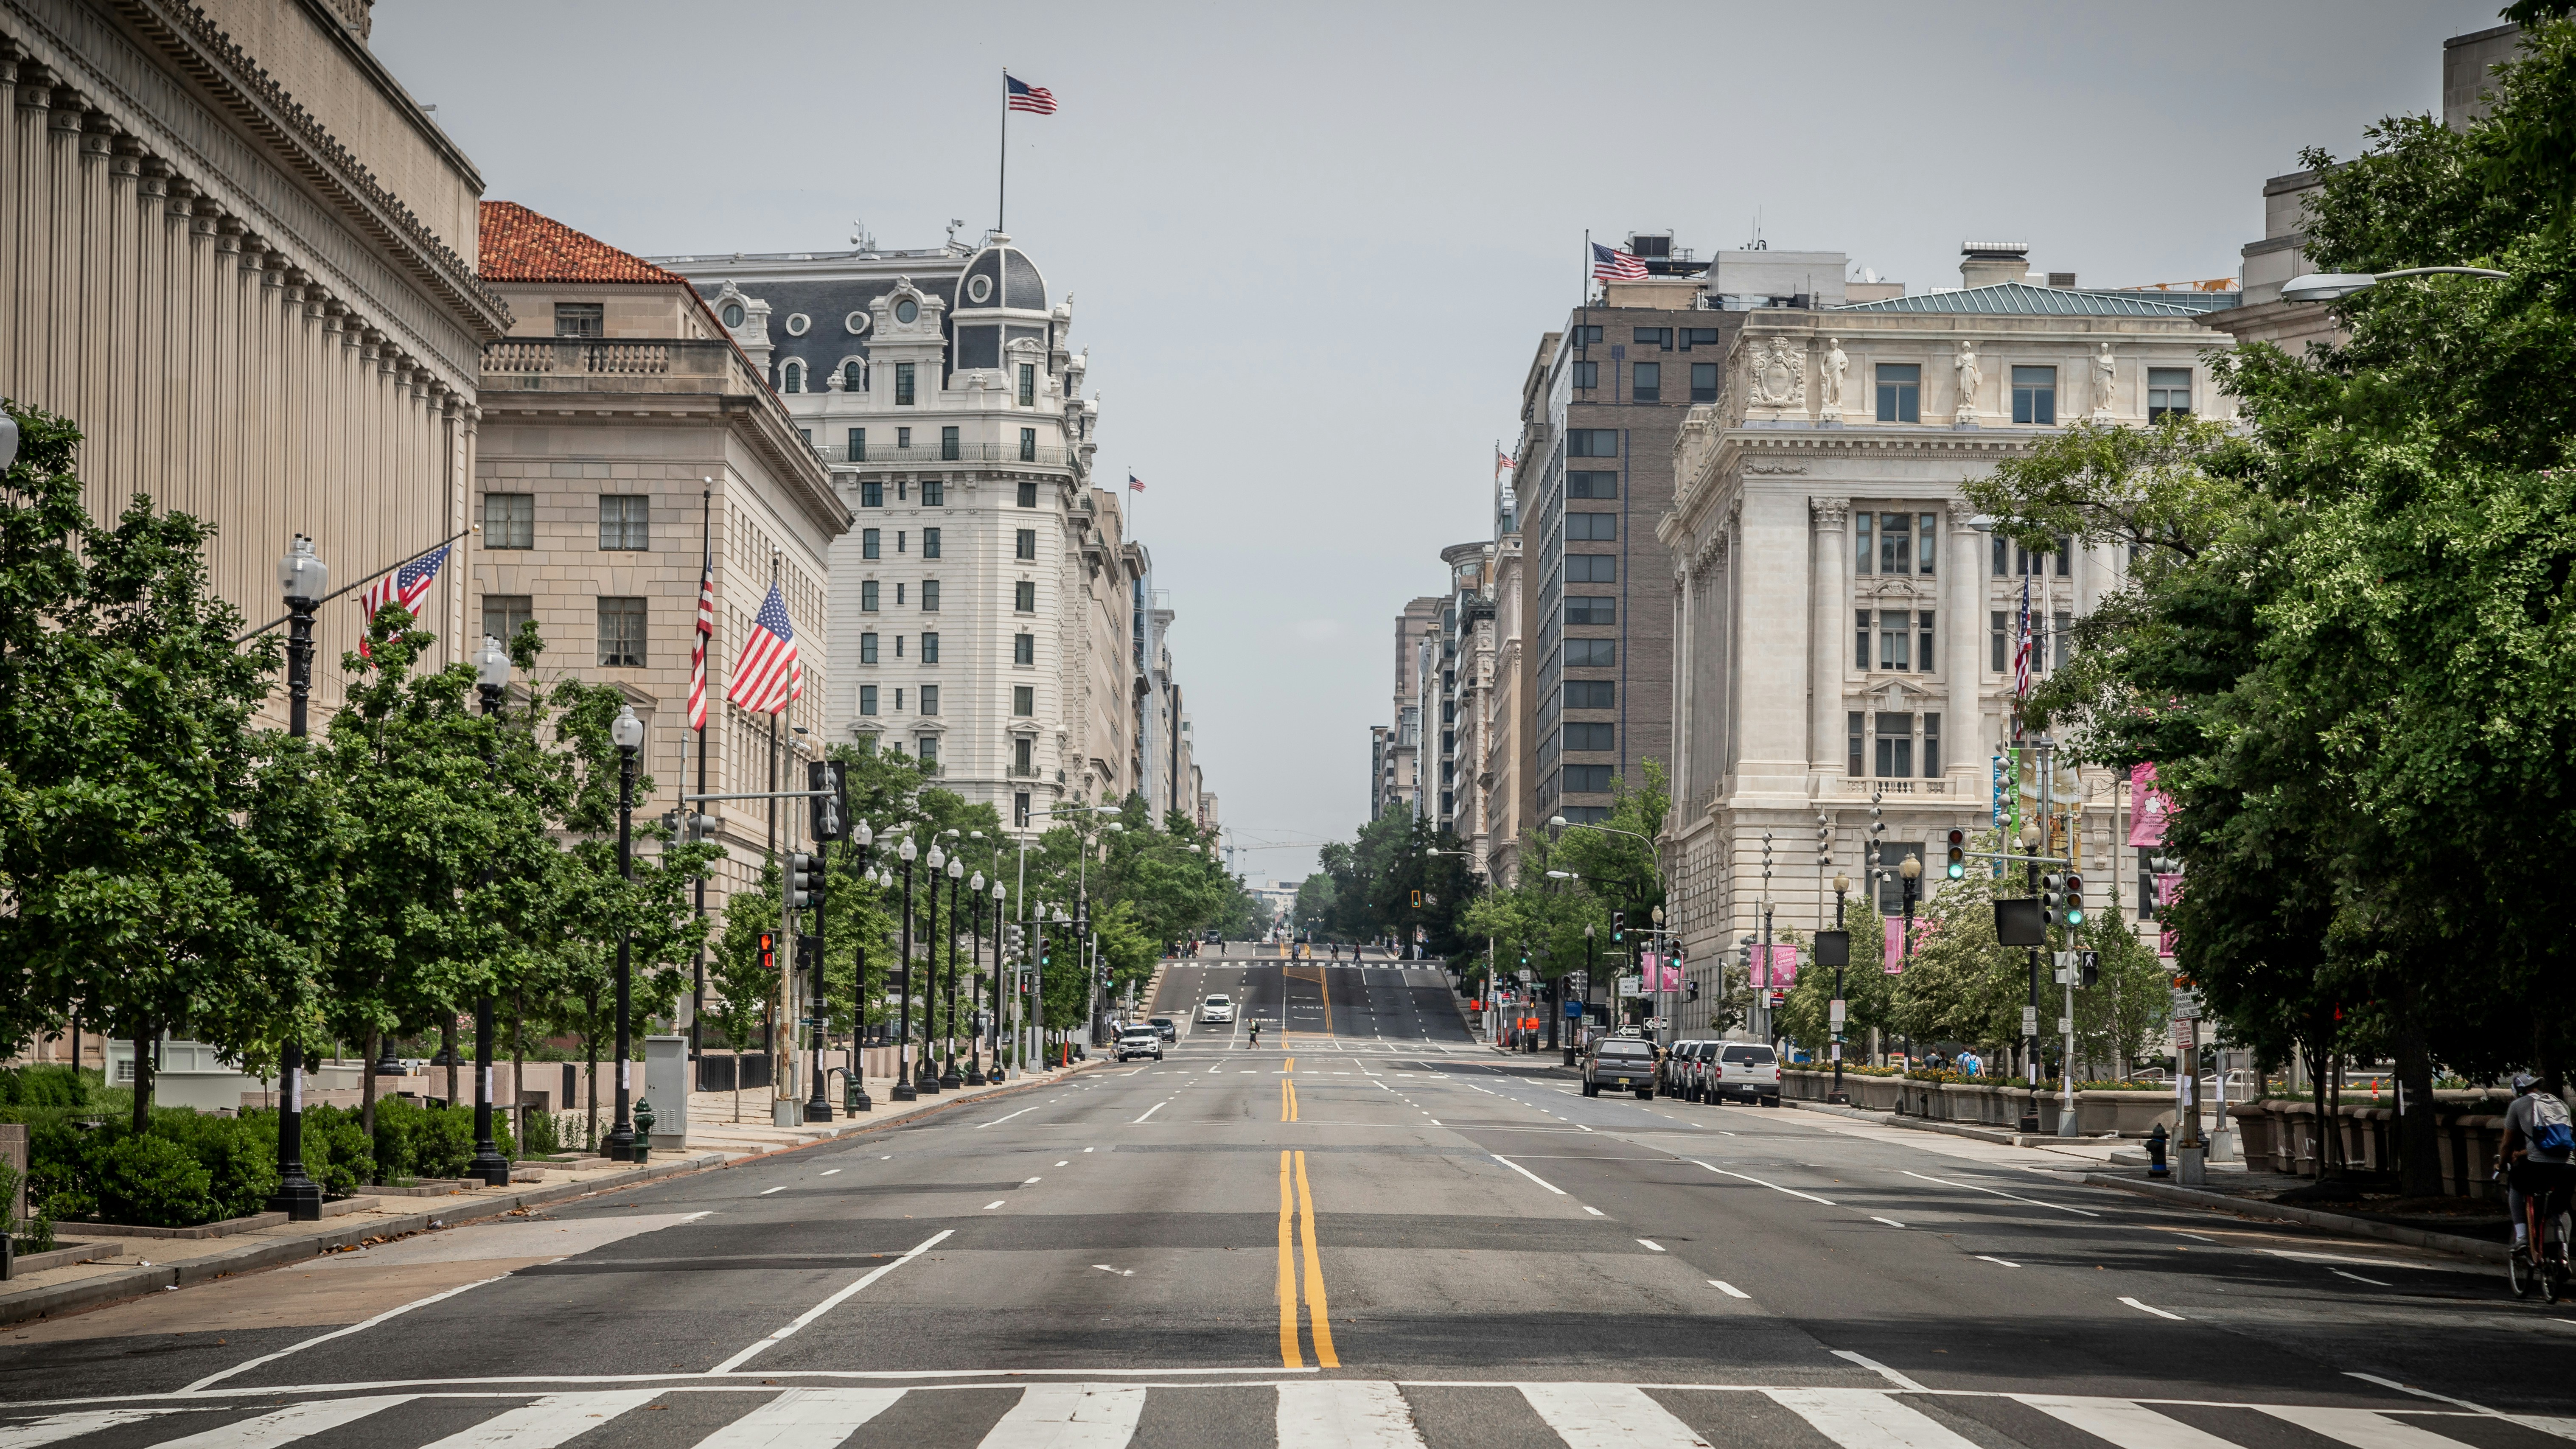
1311	247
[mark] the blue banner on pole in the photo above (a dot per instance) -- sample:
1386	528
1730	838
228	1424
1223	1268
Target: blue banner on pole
1574	1008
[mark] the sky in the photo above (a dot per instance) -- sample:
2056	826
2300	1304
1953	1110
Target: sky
1311	248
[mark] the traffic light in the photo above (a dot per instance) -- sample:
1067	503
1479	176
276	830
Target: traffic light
1958	854
804	881
768	950
2074	899
2052	898
1618	927
1417	900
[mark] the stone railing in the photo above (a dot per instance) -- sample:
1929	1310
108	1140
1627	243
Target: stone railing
587	364
2281	1136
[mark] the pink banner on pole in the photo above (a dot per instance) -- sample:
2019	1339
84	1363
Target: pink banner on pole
1895	960
1784	966
2148	806
1658	973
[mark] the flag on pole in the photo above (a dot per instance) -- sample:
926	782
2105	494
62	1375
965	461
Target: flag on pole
1036	100
767	673
1135	484
1502	462
404	586
706	634
1609	264
2022	650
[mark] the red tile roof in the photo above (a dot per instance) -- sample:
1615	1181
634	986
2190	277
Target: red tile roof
518	245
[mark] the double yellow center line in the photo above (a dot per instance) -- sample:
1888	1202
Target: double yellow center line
1288	1093
1298	1209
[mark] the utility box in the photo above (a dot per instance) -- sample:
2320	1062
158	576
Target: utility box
666	1085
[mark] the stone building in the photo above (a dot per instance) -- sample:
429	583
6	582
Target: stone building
1464	678
238	257
1417	625
1844	629
622	430
1503	721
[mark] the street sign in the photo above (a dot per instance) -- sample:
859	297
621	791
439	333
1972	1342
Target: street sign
1631	986
1574	1009
1526	976
2186	1006
2030	1021
1657	1023
1834	1014
2065	1024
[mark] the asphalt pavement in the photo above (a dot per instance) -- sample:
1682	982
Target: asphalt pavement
1368	1231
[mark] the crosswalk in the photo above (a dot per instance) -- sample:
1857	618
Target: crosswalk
1300	1414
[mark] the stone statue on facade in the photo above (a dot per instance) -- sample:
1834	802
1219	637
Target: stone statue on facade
1830	376
2102	384
1779	376
1970	375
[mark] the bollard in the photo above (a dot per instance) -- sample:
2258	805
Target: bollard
2156	1152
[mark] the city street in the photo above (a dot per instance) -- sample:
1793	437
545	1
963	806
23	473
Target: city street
1370	1232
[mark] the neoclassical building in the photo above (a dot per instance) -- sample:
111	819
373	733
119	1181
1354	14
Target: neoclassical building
1844	630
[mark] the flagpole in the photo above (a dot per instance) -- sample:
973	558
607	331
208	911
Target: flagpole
698	959
1002	200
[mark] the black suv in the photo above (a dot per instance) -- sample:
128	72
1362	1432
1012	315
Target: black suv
1620	1063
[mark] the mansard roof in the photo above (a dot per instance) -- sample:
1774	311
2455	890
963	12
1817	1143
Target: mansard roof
519	245
2026	299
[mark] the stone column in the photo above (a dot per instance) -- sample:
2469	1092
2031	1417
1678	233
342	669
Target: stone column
1826	663
1965	736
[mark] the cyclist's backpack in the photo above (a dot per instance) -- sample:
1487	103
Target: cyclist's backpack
2549	1130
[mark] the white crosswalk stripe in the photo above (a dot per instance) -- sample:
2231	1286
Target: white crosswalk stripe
1308	1413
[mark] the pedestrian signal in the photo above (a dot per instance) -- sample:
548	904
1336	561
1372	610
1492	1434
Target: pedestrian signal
1958	854
768	951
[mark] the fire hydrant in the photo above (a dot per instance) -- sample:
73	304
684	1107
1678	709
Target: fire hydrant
2156	1151
644	1130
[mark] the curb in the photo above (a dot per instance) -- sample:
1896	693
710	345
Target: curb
1920	1124
2338	1222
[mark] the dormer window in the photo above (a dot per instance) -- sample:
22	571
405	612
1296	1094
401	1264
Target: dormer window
907	311
793	377
733	314
979	290
850	381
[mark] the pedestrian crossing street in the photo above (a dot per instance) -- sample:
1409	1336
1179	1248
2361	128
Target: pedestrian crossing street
1294	1414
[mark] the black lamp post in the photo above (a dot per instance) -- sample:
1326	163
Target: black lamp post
926	1077
492	676
993	1029
304	579
860	1101
975	962
628	735
949	1079
904	1091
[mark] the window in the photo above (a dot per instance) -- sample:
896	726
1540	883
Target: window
1591	694
898	704
1592	442
2003	556
1894	647
858	450
1591	653
1028	392
1591	568
2168	391
930	596
947	454
1923	641
898	589
1655	337
867	698
2065	555
2035	395
504	613
1892	856
902	440
1587	779
903	384
1587	374
871	494
868	648
733	314
625	522
580	319
929	705
1859	744
509	520
1900	392
898	653
2061	629
1026	545
1895	543
793	376
934	491
1028	445
1860	638
1923	546
1895	745
1024	649
1931	747
1580	610
1024	756
929	541
851	378
871	543
1698	337
867	596
1020	810
906	311
1592	737
621	633
927	746
930	648
1028	493
1591	485
1999	641
1585	334
1024	699
1703	381
1647	384
1591	527
1864	554
1024	596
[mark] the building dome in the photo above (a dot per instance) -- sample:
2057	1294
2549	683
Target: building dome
1000	277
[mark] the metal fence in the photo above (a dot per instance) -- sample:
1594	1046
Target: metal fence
727	1071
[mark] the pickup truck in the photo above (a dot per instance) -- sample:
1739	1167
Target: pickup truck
1621	1063
1748	1070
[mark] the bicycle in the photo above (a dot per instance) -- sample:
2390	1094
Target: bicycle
2552	1273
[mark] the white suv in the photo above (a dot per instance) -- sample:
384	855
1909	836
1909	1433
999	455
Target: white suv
1217	1009
1140	1040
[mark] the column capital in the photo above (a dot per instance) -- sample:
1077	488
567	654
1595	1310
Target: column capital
1829	512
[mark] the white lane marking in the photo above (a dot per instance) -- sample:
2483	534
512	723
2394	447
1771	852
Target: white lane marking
72	1426
1880	1369
2196	1236
997	1202
1525	1172
1596	1212
294	1423
998	1121
1150	1111
1578	1124
1025	1182
2145	1308
1069	1416
1891	1222
1729	1289
766	1191
547	1422
1434	1121
828	1304
2357	1278
1775	1187
1868	1416
1991	1258
1345	1414
1060	1164
2427	1393
1609	1416
2361	1428
827	1172
1651	1245
1121	1272
251	1363
2124	1422
803	1419
1090	1149
2034	1202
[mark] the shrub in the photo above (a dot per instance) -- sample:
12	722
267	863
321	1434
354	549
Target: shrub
543	1140
44	1085
153	1182
238	1153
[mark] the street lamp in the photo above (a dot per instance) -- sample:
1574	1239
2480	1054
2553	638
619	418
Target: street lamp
904	1091
860	1101
1591	960
993	1029
492	678
927	1078
974	967
949	1079
2335	286
628	735
303	579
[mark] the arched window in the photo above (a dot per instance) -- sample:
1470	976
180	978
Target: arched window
850	377
733	314
793	375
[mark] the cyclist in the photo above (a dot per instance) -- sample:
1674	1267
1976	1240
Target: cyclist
2535	1156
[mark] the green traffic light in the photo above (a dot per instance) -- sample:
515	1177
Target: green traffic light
2075	915
1958	871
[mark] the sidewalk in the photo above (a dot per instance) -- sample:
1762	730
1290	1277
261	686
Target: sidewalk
711	1123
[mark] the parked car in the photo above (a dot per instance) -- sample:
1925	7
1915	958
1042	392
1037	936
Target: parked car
1748	1070
1621	1063
1216	1009
1170	1029
1686	1070
1140	1040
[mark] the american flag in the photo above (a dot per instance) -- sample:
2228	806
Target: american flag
1502	462
1609	264
767	673
1135	484
404	586
706	636
2022	650
1036	100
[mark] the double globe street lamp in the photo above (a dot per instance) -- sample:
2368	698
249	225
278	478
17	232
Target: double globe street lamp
304	580
627	733
492	679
